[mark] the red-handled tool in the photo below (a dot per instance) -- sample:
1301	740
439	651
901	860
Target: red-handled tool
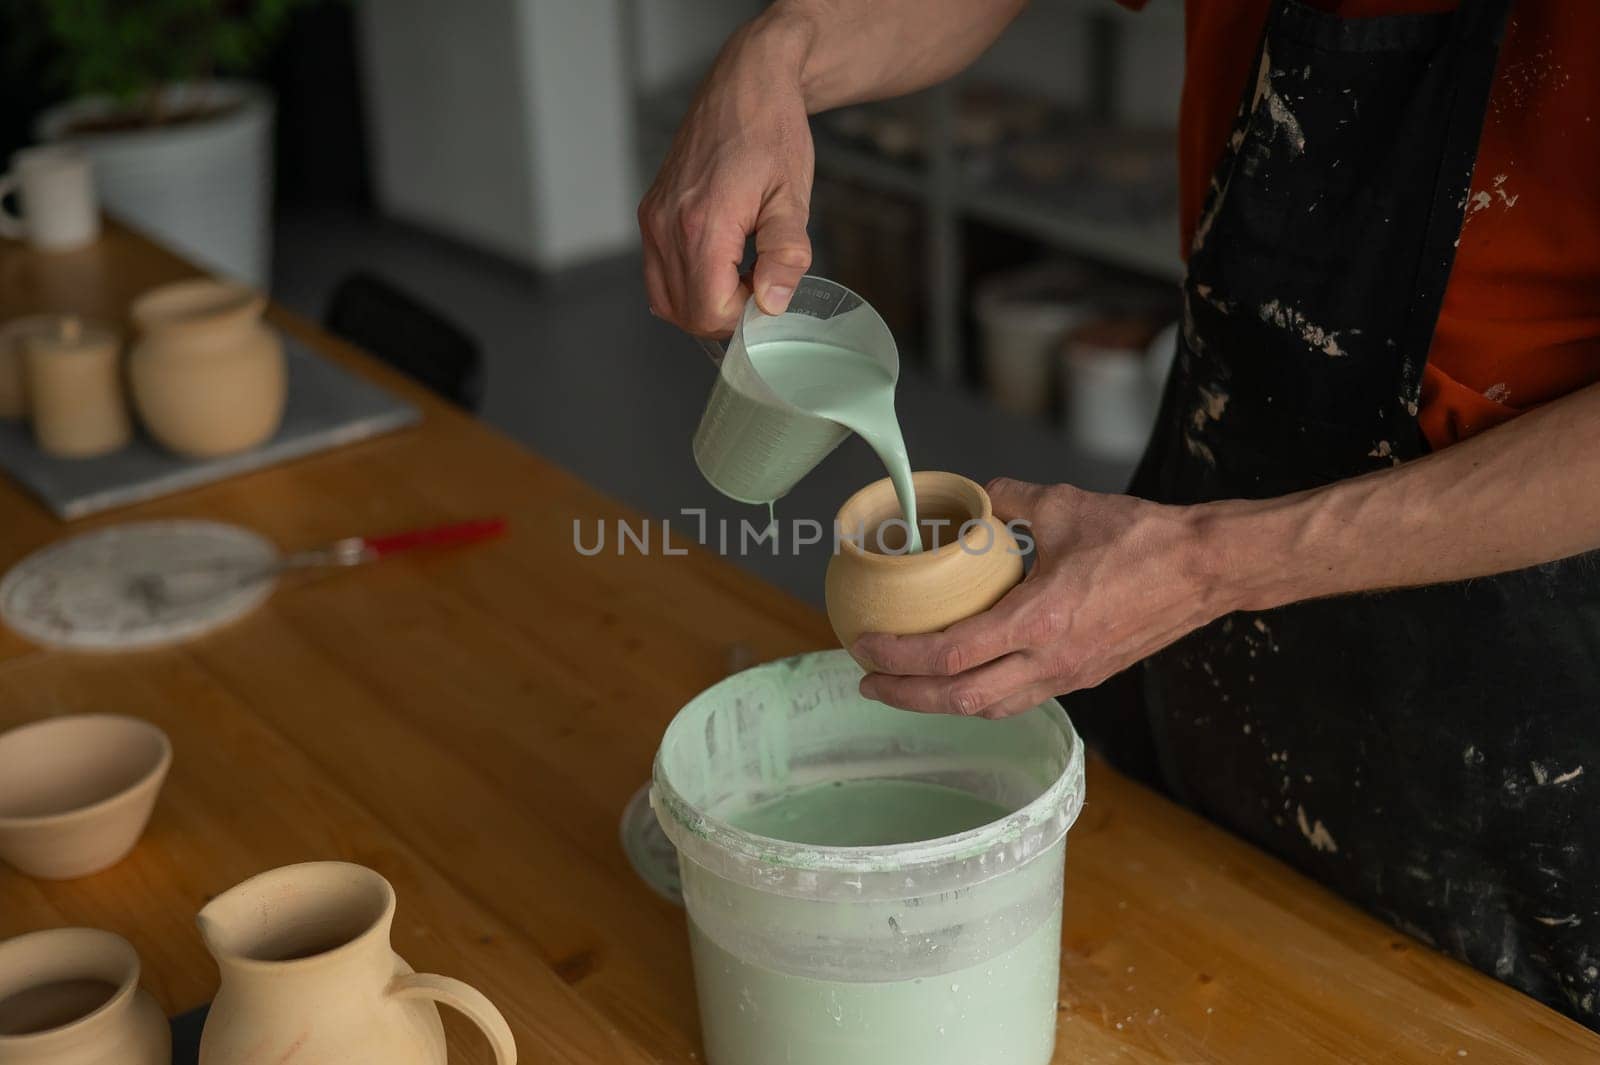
185	584
456	534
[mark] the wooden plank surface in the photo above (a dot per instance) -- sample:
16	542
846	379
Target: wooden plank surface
471	724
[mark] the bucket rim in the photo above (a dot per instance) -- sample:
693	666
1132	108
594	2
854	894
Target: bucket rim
996	847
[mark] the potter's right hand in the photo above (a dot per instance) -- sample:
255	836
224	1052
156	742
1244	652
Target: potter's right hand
741	163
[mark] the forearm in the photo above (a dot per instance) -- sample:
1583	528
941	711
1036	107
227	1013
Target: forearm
847	51
1518	495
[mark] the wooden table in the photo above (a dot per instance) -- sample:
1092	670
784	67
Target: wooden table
471	724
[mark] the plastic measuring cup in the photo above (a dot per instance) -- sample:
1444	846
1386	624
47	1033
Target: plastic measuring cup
752	445
943	952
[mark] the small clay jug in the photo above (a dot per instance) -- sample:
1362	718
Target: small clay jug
308	975
873	585
207	374
74	388
71	996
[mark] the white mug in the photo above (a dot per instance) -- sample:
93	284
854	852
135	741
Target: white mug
56	189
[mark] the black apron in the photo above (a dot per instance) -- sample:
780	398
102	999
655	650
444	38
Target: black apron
1434	754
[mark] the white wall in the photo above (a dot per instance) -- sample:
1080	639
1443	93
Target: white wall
677	39
1045	52
504	123
579	101
449	136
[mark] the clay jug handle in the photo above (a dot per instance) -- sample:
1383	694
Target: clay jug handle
468	1000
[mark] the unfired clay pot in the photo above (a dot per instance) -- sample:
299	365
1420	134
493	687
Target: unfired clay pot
13	353
77	791
308	975
871	590
207	374
74	389
71	996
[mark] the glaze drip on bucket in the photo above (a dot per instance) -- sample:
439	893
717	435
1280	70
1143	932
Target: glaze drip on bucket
1000	1010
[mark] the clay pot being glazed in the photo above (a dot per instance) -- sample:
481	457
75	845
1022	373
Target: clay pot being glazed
207	374
71	996
308	974
870	588
76	792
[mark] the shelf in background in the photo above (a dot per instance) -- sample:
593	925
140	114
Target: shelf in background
1148	249
841	160
1145	248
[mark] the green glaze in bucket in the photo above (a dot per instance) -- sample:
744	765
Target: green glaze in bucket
937	951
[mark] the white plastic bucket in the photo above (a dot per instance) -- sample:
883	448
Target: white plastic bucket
940	952
1108	403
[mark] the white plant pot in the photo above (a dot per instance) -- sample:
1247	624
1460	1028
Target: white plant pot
203	188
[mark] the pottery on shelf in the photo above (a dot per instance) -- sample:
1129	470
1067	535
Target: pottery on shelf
74	388
207	374
71	996
77	791
308	974
874	586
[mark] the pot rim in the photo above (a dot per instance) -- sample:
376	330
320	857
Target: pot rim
207	921
197	302
152	777
977	505
127	987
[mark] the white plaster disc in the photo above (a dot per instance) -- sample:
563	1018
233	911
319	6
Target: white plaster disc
80	593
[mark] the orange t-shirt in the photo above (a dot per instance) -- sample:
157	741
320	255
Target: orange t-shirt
1520	324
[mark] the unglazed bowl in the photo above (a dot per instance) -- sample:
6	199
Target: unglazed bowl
77	791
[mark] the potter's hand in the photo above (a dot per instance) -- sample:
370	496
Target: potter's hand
1115	579
741	163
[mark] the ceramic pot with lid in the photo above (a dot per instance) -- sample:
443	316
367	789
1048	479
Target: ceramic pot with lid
71	996
13	360
74	388
873	585
207	374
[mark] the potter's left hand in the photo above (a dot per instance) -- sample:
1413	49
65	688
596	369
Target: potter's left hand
1115	579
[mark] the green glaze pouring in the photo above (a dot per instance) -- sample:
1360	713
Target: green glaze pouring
792	386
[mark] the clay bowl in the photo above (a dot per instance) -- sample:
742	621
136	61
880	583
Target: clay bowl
76	791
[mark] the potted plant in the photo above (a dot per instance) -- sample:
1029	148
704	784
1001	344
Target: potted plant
178	151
